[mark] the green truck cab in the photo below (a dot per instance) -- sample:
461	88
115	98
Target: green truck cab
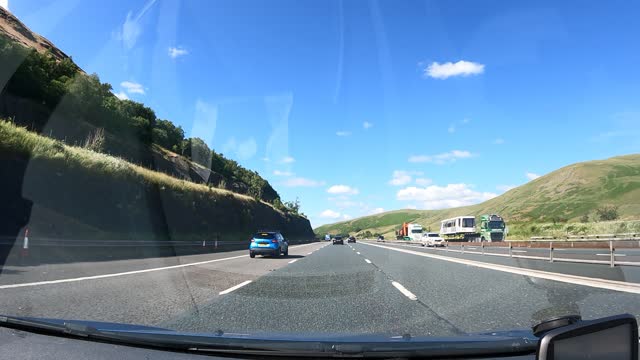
492	228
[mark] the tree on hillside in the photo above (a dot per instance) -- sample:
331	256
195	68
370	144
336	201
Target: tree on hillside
293	206
198	151
167	135
607	213
584	218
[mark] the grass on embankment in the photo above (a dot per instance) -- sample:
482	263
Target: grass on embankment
17	140
123	200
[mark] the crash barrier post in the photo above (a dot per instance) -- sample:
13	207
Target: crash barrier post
510	248
550	251
612	252
25	244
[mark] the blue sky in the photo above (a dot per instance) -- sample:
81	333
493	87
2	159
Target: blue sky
357	107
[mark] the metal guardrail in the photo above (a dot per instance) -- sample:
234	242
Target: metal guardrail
551	256
594	237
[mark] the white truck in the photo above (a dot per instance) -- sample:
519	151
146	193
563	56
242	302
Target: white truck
409	231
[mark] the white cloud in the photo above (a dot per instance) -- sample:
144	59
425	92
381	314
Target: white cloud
243	150
287	160
367	125
451	129
498	141
423	181
376	211
343	133
342	189
266	159
440	159
449	69
441	197
132	87
466	120
532	176
412	206
505	188
346	217
4	4
282	173
121	95
302	182
330	214
175	52
400	177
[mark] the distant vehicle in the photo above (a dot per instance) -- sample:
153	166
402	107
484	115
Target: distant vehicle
327	237
409	231
432	240
463	228
351	239
338	240
268	243
460	228
492	228
380	238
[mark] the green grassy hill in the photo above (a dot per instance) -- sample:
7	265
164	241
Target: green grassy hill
562	196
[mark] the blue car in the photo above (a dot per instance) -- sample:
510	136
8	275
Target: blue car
268	243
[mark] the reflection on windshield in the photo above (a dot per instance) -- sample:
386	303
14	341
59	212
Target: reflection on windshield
146	149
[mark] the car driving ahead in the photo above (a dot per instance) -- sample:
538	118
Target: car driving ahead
338	240
268	243
432	240
351	239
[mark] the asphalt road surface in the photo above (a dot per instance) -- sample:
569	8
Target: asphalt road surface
323	289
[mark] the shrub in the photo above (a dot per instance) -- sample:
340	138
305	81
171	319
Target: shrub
607	213
95	140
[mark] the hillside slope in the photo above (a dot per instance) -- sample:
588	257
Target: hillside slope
94	196
42	89
562	195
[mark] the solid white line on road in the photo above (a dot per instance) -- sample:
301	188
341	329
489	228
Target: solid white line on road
471	247
235	287
519	251
310	253
104	276
610	254
404	290
358	252
570	279
292	261
368	261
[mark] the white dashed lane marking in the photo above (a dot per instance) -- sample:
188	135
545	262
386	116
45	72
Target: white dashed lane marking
235	287
404	291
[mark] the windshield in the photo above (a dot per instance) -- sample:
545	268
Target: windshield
186	164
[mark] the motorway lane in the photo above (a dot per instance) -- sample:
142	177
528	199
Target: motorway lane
334	291
600	271
144	298
475	299
321	289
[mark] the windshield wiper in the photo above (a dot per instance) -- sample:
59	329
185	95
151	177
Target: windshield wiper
217	343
